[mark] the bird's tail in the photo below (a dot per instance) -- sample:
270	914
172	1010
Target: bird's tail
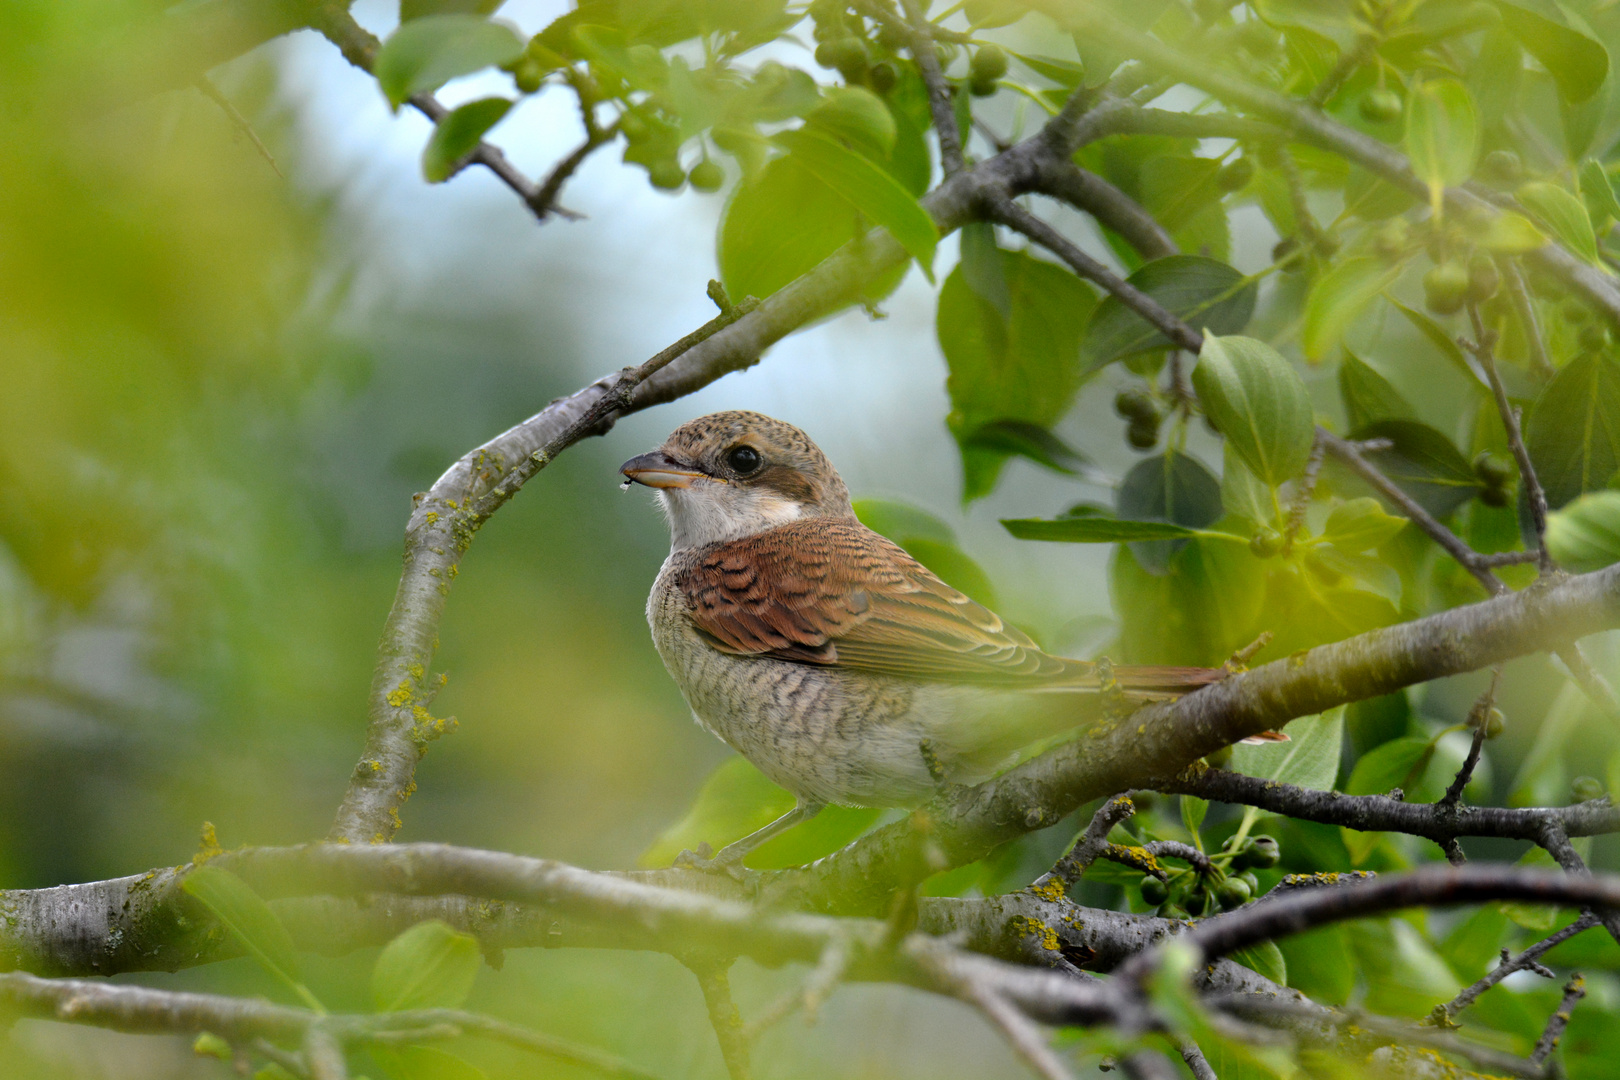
1153	681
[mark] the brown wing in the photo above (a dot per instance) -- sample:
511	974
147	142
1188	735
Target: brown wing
831	592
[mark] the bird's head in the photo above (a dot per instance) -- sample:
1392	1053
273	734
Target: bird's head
733	474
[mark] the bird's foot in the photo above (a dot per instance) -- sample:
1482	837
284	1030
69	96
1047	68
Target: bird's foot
705	860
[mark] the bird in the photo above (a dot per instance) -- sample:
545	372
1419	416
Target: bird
822	652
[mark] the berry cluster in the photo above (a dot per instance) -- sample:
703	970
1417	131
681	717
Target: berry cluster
1192	893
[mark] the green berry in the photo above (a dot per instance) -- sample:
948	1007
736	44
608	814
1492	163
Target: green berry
1263	853
1235	175
1283	249
1445	288
1496	497
883	76
1173	911
707	175
1380	106
1391	239
1196	901
1248	878
1142	434
1586	788
982	87
1483	277
989	62
634	127
1494	722
1492	470
1136	404
1154	891
666	175
1265	542
1232	893
528	75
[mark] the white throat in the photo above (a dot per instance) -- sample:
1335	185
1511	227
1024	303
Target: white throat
709	513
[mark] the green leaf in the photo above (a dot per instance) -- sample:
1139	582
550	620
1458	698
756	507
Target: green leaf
1265	959
1399	763
1320	964
1338	297
415	9
1183	195
1023	439
1171	487
1066	73
1310	759
1201	292
1442	341
1577	62
249	919
1207	606
737	799
1259	403
1508	233
1423	463
1242	493
1193	811
1473	945
1094	530
868	188
1360	524
1367	395
1442	135
1598	191
1564	215
1011	371
424	54
455	136
858	116
1585	534
1573	433
1404	975
429	966
782	223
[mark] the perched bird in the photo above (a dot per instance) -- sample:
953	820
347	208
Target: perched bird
821	651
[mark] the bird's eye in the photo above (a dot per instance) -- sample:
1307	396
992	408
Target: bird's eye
743	459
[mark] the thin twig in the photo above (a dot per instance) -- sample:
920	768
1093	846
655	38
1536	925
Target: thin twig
941	96
1479	720
1197	1063
1306	486
238	121
1574	990
712	977
1528	960
1482	348
323	1054
1348	453
1087	849
1008	213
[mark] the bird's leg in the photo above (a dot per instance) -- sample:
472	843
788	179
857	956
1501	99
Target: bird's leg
936	771
733	853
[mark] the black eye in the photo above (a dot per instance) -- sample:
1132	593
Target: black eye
744	459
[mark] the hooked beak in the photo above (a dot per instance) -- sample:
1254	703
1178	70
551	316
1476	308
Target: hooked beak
659	470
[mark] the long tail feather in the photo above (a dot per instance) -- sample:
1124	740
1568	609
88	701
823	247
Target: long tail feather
1166	680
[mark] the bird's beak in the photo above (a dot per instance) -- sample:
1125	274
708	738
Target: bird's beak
659	470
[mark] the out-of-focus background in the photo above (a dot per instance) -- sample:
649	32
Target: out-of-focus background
221	381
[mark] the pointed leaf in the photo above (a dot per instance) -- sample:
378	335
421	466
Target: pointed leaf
1423	463
1094	530
1360	524
1193	811
1564	215
1598	190
1168	487
1367	395
1338	297
424	54
1201	292
429	966
249	919
1242	493
1573	433
1512	234
1442	134
1310	759
870	189
1585	534
1259	403
1399	763
1444	342
1577	62
455	136
1265	959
